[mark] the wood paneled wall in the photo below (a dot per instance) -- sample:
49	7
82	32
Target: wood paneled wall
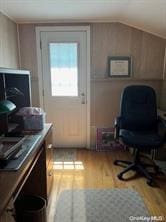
9	57
163	96
28	57
147	52
163	92
112	39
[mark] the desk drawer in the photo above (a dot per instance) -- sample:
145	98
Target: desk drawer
50	176
49	148
49	161
49	154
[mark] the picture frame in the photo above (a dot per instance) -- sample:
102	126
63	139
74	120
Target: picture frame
119	66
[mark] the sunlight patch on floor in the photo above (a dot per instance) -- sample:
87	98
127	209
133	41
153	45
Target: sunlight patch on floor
68	165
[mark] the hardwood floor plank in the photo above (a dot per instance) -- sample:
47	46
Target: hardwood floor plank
96	170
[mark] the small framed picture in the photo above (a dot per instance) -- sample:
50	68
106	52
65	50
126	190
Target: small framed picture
119	66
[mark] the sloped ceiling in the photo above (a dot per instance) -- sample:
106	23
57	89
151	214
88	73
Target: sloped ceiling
148	15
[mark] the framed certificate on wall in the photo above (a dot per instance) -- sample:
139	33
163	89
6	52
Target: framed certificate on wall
119	66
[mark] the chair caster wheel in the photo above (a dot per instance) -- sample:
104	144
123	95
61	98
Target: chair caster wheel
120	176
150	182
115	162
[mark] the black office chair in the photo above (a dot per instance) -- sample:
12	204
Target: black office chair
137	127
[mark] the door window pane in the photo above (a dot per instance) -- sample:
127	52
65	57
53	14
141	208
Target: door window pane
64	69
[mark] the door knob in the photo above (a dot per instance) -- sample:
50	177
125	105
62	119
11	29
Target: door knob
82	98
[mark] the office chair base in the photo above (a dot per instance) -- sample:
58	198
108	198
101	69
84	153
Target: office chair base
116	162
150	182
138	167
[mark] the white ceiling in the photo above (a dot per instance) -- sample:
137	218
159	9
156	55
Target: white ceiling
148	15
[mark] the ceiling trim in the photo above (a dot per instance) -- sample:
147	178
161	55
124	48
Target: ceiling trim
143	29
66	21
10	17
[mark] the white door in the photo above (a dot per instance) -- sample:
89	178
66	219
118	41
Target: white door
64	73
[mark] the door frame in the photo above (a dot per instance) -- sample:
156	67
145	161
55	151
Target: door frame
39	65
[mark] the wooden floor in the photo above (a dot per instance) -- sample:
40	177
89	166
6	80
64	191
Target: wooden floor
96	170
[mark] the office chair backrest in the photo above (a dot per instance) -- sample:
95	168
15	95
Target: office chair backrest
138	108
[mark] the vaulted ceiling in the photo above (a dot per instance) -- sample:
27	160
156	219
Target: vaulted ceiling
148	15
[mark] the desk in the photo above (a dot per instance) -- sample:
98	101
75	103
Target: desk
34	176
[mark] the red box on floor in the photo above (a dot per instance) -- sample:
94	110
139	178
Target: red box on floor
105	139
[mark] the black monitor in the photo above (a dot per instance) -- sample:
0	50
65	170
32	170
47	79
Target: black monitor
14	86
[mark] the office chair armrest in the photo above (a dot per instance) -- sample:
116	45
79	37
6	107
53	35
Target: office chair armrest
117	124
162	127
